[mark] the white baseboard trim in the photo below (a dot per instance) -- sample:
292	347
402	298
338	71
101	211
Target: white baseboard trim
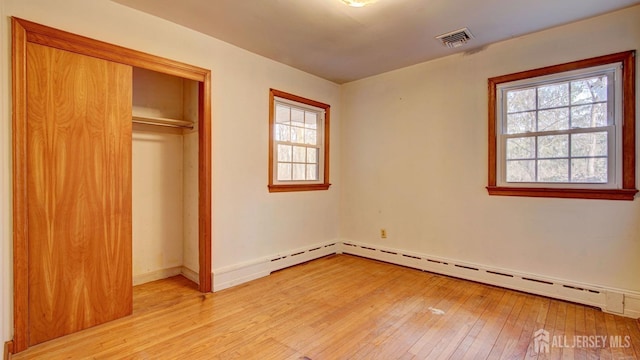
229	276
190	274
156	275
632	305
616	301
166	273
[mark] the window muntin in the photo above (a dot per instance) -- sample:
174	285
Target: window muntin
298	143
623	146
560	130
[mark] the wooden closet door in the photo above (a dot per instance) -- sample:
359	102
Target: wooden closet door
79	191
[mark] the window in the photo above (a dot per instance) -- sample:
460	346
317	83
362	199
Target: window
299	143
565	131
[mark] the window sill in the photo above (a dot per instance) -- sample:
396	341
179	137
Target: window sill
298	187
602	194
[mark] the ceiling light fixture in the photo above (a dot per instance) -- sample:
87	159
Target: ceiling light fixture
358	3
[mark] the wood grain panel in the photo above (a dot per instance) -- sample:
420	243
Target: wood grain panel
44	35
20	216
25	32
79	191
629	122
204	183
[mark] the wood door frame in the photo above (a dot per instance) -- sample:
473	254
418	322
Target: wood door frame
24	32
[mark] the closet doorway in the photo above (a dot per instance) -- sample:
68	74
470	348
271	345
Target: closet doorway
111	99
164	176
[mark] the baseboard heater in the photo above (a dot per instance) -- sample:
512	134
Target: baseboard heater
609	300
279	262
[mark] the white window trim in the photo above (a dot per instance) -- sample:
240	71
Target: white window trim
615	146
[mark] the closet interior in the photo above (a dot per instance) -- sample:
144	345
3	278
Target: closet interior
164	176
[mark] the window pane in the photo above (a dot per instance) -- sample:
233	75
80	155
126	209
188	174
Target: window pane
297	141
553	170
521	122
297	117
283	132
560	129
312	155
284	153
591	170
299	154
282	114
588	91
553	95
312	172
298	172
521	100
284	171
521	171
297	135
310	120
589	144
521	148
587	116
556	119
553	146
310	137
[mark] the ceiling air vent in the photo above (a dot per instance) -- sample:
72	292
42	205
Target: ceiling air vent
456	38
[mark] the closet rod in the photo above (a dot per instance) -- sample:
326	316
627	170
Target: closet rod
162	122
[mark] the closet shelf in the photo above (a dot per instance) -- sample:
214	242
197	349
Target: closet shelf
162	122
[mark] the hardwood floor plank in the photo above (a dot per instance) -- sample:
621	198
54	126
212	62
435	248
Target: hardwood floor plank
557	332
617	352
601	330
461	327
633	326
488	334
537	315
402	334
383	315
624	337
590	330
569	332
424	319
339	307
511	329
579	326
445	309
550	323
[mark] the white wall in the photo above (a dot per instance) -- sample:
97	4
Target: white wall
157	201
190	250
248	222
414	161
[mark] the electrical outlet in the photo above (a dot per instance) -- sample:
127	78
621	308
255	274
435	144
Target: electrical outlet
383	233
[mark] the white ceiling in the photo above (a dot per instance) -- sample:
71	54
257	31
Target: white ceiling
341	43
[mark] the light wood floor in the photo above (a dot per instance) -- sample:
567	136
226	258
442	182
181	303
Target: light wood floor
342	307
